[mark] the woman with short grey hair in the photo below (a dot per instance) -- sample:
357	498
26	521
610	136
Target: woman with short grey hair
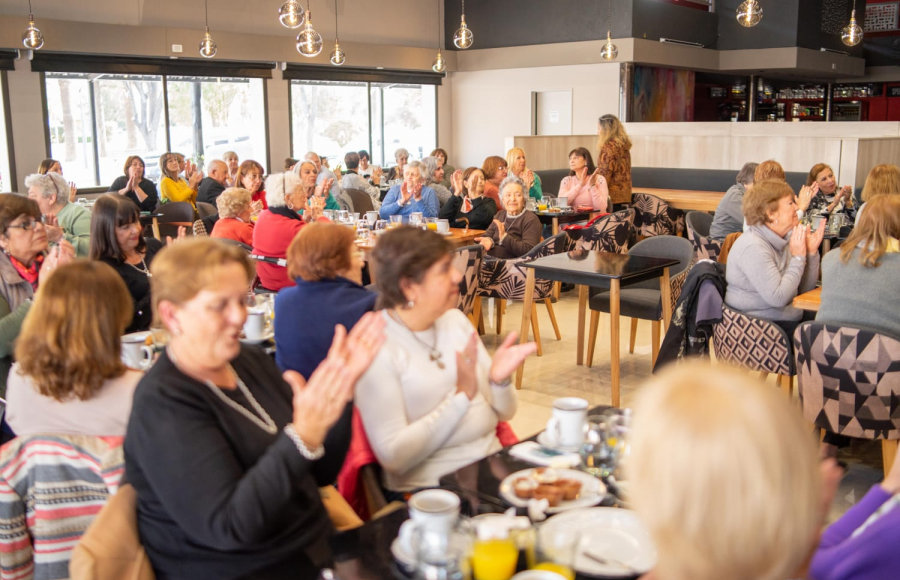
401	156
434	169
411	196
62	220
729	216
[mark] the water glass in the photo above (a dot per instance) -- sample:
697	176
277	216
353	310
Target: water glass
329	213
362	229
555	550
442	556
415	219
396	221
599	453
381	225
343	216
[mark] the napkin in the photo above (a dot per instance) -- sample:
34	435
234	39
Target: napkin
532	452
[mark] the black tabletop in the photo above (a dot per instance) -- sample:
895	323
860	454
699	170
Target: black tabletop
596	268
563	217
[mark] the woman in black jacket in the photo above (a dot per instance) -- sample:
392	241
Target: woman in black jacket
225	453
135	186
468	201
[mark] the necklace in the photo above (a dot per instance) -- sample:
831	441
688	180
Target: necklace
145	269
434	355
266	423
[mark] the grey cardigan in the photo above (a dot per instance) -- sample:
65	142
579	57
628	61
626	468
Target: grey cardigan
763	278
729	216
15	301
857	295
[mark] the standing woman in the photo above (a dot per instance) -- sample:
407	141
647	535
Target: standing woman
135	186
250	176
614	160
515	159
495	170
54	166
231	160
174	188
584	186
117	239
468	207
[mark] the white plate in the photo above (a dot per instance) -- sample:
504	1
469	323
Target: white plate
544	442
592	490
614	534
137	336
266	337
401	555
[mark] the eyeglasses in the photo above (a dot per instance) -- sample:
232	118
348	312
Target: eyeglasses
27	225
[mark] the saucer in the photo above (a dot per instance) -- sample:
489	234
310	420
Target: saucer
544	441
269	335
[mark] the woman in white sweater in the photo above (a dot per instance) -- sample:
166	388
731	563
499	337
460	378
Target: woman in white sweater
432	398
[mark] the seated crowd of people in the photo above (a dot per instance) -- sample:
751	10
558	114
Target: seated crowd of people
227	447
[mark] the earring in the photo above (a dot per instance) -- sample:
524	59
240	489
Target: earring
410	304
290	205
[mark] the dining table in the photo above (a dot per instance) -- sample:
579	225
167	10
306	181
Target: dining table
151	219
809	300
554	218
602	270
685	199
459	237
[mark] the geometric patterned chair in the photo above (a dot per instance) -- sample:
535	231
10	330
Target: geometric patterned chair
612	233
200	229
756	344
655	217
505	280
467	260
698	223
849	382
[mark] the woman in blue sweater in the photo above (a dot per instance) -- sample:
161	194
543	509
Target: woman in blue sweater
326	264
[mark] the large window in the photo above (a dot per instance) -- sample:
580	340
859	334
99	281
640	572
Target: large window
6	181
97	120
332	118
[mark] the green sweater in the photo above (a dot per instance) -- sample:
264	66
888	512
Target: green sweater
76	224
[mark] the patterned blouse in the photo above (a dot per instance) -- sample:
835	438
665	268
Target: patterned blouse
614	163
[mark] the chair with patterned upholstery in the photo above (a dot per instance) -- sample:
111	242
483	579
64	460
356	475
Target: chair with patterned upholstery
612	233
655	217
849	382
200	229
505	280
698	223
643	301
467	260
755	344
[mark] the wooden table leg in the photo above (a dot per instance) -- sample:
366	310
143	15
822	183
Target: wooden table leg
582	312
614	286
155	228
555	226
665	289
526	320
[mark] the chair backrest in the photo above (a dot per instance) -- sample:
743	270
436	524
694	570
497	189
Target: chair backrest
200	229
51	488
206	209
467	260
705	248
361	200
611	233
753	343
730	239
176	211
241	245
673	247
505	279
849	379
655	217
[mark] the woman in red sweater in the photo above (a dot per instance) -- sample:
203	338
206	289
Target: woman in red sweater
234	220
290	208
250	176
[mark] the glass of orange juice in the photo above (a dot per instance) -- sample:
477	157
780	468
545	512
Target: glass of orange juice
494	559
431	223
555	550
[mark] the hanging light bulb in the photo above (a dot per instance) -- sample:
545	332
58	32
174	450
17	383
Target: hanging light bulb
338	57
32	38
208	46
463	38
291	14
309	42
609	51
749	13
852	34
439	65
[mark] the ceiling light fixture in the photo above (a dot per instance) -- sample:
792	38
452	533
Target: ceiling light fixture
32	38
309	42
208	46
337	55
291	14
463	38
852	34
749	13
609	50
440	65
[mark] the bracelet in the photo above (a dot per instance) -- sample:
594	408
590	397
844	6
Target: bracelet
502	385
313	455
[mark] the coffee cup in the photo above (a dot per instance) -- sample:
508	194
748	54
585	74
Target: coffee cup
443	226
433	511
136	354
567	424
562	202
255	325
372	216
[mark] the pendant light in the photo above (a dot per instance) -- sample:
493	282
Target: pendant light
609	50
309	42
32	38
337	55
291	14
463	38
852	34
208	46
440	65
749	13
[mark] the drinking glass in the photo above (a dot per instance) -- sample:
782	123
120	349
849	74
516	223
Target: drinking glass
599	452
381	225
415	219
529	205
431	223
396	221
555	550
362	229
343	216
329	213
442	556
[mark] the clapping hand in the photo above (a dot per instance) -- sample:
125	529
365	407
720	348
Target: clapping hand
315	207
51	227
501	229
814	239
195	179
256	207
466	368
509	357
189	168
182	232
56	256
798	240
529	178
73	191
356	350
456	182
319	402
807	192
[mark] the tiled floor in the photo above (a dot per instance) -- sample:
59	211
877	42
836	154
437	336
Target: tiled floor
555	374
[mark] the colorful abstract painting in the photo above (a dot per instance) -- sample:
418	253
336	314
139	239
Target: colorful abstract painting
663	94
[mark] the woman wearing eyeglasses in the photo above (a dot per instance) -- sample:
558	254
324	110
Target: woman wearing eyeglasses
250	176
24	264
174	188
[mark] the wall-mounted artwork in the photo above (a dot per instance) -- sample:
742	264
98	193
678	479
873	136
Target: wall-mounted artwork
663	94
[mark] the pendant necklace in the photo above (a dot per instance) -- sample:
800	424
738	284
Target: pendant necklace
145	271
434	355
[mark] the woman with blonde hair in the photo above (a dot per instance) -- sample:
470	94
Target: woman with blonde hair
172	187
69	377
234	223
515	159
54	166
882	180
614	160
231	160
752	503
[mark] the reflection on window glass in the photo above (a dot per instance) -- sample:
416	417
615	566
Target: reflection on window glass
71	126
130	120
6	183
329	118
409	120
209	116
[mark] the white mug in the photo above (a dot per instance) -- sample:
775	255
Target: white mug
562	201
433	510
567	424
135	352
443	226
255	325
372	217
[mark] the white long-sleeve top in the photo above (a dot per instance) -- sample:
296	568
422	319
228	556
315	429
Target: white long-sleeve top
419	427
